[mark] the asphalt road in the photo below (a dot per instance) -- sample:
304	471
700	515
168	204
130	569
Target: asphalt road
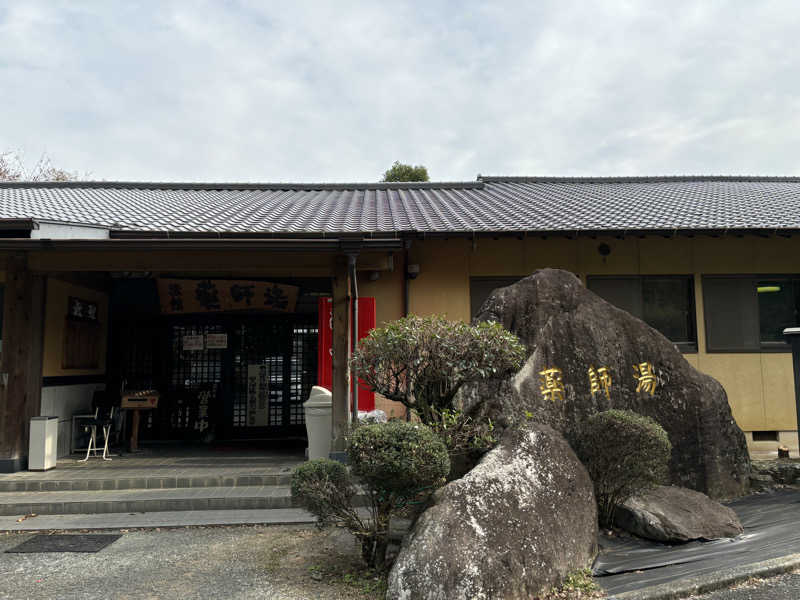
280	563
783	587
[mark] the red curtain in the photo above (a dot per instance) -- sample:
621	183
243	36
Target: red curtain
366	322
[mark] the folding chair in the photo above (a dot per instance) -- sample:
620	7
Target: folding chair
104	419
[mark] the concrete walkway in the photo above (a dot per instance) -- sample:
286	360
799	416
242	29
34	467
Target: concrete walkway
195	563
276	516
171	462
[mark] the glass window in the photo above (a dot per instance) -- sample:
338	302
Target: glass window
622	292
731	314
666	303
749	313
777	308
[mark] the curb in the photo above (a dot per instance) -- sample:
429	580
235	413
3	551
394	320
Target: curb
721	579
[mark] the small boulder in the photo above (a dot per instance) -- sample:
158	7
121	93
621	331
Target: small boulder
514	526
674	515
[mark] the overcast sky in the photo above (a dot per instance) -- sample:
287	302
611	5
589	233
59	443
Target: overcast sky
337	91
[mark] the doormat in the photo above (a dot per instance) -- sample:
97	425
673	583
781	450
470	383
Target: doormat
65	543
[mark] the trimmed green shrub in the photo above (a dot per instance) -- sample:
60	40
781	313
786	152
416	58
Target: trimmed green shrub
423	362
625	454
325	488
397	463
400	464
397	458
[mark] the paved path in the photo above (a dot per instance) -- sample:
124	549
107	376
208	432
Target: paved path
276	516
783	587
236	563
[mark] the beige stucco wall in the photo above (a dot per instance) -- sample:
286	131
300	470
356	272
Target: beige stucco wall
759	385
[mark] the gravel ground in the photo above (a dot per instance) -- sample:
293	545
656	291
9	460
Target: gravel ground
782	587
283	562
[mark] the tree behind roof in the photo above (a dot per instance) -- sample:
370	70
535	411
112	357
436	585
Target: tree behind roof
403	172
12	168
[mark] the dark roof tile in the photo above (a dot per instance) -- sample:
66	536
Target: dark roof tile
492	204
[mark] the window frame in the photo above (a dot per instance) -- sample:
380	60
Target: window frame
763	347
690	347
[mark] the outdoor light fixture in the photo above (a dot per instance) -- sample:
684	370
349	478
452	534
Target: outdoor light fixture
604	249
765	289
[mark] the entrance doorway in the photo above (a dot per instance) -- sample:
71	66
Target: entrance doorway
249	383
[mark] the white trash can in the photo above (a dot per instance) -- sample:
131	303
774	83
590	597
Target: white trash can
319	408
43	443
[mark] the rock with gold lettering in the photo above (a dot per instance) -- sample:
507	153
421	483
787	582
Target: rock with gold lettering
586	356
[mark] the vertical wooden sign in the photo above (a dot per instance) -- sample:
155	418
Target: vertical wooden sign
257	395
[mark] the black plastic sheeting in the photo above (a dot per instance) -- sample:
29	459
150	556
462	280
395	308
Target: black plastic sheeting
771	530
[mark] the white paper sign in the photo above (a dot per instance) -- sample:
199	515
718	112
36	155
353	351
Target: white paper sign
193	342
216	341
257	395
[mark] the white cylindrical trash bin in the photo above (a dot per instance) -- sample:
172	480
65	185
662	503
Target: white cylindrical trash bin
319	407
43	443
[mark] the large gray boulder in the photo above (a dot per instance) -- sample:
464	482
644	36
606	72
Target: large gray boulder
569	328
675	515
511	528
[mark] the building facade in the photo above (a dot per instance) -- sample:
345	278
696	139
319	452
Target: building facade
212	294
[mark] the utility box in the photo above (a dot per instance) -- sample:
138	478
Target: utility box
319	407
43	444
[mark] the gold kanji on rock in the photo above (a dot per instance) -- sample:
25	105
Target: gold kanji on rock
646	378
600	381
551	384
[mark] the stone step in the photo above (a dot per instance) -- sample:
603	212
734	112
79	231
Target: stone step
145	500
74	484
184	518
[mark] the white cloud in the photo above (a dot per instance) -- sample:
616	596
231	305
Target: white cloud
312	91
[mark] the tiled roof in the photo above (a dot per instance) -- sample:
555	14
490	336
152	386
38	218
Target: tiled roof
491	204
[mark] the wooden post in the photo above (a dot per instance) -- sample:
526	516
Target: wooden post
792	335
135	430
23	327
341	345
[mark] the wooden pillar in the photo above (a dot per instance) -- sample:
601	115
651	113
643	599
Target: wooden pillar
21	364
341	345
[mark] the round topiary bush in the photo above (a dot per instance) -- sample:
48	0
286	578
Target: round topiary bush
325	489
625	454
399	463
397	457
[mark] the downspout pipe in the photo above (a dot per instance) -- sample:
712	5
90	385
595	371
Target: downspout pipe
406	281
406	294
351	260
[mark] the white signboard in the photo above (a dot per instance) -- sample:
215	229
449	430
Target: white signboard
257	395
216	341
193	342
